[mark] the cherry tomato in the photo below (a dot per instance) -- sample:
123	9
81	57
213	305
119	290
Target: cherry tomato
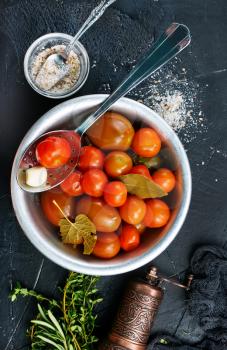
112	132
53	152
148	218
157	214
93	182
105	218
165	179
140	227
90	158
133	211
107	245
117	163
50	210
146	143
141	170
72	184
129	237
115	193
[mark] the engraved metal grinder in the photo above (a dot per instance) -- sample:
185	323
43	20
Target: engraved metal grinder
137	311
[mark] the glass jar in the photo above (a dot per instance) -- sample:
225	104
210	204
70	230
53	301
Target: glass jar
48	41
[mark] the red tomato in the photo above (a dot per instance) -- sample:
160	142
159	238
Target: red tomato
107	245
112	132
133	211
53	152
165	179
148	218
141	170
115	193
90	158
117	163
72	185
146	143
93	182
50	210
105	218
129	237
158	213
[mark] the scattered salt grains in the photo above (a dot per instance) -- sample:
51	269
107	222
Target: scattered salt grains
115	67
94	64
218	151
106	88
172	109
175	98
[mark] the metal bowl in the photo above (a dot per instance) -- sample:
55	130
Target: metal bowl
44	237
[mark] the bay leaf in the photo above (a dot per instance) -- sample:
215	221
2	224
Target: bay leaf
82	231
142	187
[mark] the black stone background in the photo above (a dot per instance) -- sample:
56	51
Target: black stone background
23	21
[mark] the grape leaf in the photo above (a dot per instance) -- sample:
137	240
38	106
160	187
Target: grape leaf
82	231
142	187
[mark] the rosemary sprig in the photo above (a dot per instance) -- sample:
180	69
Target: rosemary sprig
66	324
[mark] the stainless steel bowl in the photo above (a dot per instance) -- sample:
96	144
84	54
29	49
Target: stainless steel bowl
44	237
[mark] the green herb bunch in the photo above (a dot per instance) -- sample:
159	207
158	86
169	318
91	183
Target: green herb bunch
67	324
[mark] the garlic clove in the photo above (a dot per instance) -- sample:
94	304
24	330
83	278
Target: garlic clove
36	176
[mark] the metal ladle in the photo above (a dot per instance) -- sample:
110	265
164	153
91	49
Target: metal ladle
56	64
173	40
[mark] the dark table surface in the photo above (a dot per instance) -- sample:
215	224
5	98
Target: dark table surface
206	63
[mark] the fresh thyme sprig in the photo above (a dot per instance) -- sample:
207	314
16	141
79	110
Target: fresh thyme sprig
66	324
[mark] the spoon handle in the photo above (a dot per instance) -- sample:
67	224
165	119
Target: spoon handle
96	13
172	41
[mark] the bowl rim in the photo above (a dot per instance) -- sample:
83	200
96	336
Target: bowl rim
60	258
46	93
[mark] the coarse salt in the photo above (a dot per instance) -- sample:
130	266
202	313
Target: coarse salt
42	80
172	109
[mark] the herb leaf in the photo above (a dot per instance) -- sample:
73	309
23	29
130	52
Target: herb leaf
154	162
81	231
43	323
142	187
56	324
49	341
69	323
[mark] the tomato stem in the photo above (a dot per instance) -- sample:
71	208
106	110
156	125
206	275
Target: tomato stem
56	204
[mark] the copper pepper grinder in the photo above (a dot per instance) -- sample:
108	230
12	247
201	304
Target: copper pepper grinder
137	312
